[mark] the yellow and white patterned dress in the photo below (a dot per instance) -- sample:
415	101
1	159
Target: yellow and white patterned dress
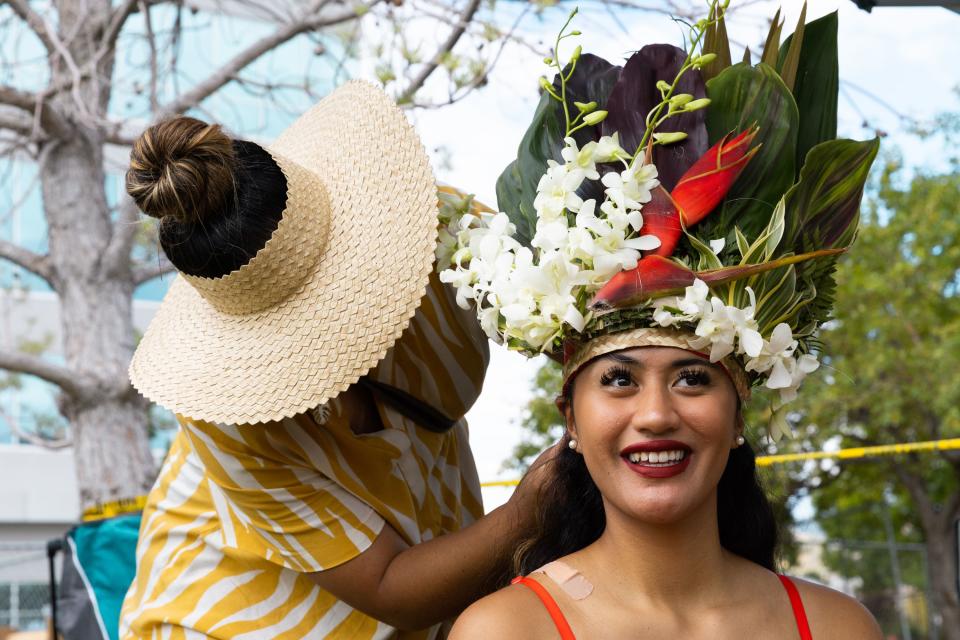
241	512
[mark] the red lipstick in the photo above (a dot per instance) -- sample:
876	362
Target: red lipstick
657	458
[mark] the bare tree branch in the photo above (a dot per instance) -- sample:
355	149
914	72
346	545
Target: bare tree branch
152	42
35	263
34	20
16	98
17	120
465	19
465	91
75	72
120	138
117	19
145	272
51	121
117	254
309	21
33	365
19	432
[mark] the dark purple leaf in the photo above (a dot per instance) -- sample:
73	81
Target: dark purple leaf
592	80
636	93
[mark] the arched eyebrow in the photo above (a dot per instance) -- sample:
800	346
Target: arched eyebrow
693	362
622	358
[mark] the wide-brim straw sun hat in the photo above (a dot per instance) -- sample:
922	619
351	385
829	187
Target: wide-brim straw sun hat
331	291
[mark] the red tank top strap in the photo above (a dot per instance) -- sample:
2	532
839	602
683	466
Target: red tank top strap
566	633
798	611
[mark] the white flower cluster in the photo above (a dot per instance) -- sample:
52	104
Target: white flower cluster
727	329
526	297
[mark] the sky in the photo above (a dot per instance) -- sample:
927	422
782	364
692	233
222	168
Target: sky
893	62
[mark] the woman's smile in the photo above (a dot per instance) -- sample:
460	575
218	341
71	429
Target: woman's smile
657	458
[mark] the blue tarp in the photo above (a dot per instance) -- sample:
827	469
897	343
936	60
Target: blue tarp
99	565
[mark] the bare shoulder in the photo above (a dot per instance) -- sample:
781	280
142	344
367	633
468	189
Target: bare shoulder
511	612
833	614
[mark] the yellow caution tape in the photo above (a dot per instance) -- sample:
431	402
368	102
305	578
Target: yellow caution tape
862	452
840	454
102	511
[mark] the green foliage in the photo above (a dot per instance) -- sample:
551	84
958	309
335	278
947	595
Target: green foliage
817	83
591	80
890	357
888	376
741	97
542	423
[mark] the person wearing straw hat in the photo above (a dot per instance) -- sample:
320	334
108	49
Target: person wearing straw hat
321	484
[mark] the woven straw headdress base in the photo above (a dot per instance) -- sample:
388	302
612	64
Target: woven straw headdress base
330	292
648	337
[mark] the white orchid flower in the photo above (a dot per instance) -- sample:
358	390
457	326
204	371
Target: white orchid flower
608	149
582	160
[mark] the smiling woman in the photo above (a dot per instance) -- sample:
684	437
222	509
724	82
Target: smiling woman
656	525
670	231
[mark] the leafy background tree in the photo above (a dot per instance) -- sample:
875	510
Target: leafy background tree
889	375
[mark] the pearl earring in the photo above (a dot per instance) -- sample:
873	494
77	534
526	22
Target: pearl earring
740	440
572	444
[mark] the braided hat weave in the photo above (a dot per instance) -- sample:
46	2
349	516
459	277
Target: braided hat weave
331	291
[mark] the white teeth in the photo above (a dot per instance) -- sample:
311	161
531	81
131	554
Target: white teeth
657	457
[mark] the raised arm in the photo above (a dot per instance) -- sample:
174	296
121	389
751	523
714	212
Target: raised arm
414	587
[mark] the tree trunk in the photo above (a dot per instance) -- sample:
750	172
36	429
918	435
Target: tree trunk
942	567
108	419
937	523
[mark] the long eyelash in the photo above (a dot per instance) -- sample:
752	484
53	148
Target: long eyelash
614	373
702	376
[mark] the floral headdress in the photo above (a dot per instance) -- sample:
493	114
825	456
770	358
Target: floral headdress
680	196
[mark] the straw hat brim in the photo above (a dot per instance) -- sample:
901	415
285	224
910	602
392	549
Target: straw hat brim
373	271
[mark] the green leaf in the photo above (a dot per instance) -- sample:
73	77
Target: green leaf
742	245
741	97
777	295
823	208
592	80
771	48
774	232
708	259
817	84
510	200
763	248
789	59
542	141
822	212
716	41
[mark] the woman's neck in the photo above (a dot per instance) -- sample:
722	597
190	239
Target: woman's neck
672	564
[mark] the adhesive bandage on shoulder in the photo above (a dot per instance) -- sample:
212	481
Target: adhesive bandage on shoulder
573	583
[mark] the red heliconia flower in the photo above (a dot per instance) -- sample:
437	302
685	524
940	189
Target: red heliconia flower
661	218
698	192
652	275
705	184
657	276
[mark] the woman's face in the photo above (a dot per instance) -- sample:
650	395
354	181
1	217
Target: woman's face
655	426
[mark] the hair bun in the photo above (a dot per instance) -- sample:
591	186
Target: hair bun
182	169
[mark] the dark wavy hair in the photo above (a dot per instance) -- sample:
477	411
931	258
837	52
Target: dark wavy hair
570	512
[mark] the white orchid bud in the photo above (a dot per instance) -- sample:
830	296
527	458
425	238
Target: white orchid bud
595	118
669	137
